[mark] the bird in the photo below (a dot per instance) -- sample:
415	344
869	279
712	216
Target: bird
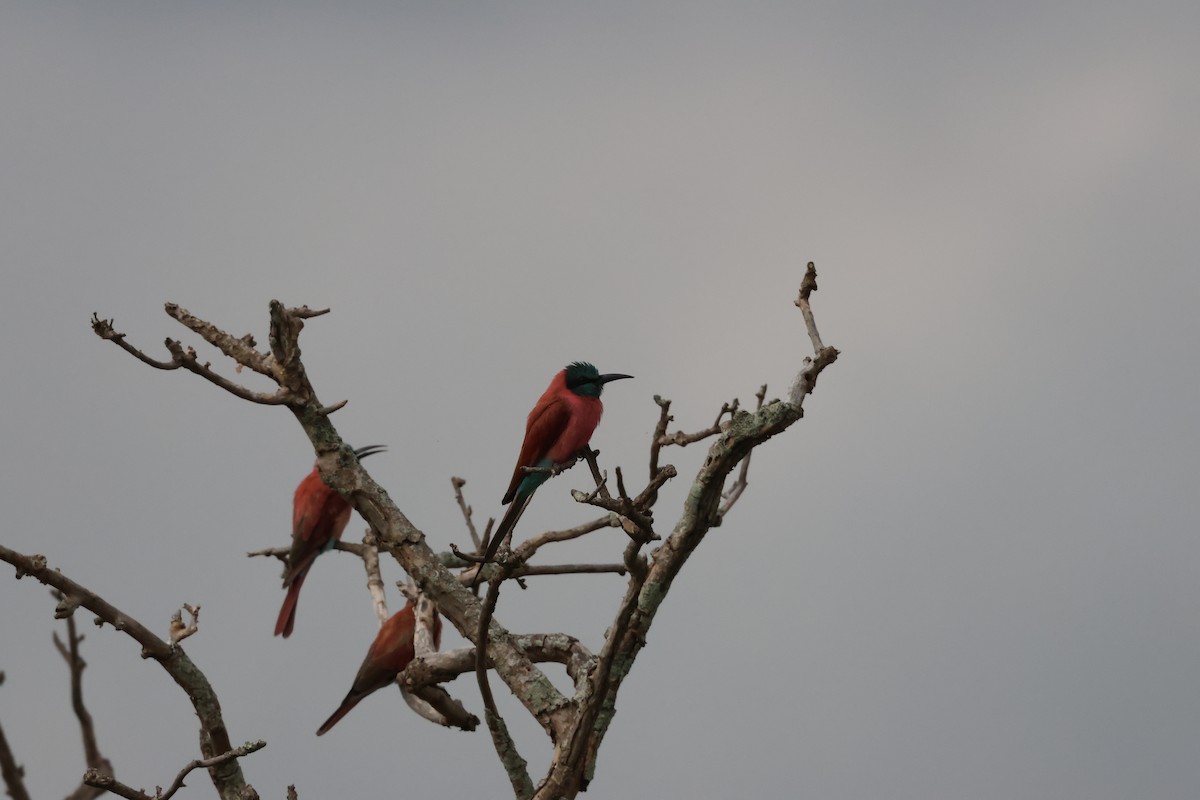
319	515
559	426
387	657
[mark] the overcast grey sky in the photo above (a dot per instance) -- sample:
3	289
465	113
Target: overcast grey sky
971	572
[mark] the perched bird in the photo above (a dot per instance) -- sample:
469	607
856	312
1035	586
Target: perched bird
387	657
559	426
319	515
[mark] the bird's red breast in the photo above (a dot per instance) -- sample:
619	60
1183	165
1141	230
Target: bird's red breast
559	425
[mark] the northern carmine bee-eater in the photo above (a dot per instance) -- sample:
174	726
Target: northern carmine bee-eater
387	657
319	515
559	426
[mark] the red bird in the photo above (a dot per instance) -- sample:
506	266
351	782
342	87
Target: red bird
319	515
559	426
387	657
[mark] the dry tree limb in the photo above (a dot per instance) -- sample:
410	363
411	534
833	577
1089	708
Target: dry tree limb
431	702
523	570
458	483
436	705
681	439
101	783
515	767
11	772
207	763
735	491
528	548
178	629
191	362
536	570
370	558
95	760
282	552
660	432
107	783
806	379
214	738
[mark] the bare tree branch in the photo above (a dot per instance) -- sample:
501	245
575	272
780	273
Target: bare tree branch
681	439
178	629
214	738
95	761
370	558
557	648
458	483
528	548
12	772
104	329
735	491
515	766
191	362
431	702
106	783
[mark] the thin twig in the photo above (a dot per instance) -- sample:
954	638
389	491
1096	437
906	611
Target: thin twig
104	329
535	570
458	483
110	784
12	773
681	439
601	480
238	752
189	361
179	630
660	431
94	759
806	379
807	286
370	558
107	783
530	546
735	491
282	552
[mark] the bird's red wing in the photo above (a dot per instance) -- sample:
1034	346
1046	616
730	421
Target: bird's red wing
308	506
318	515
546	424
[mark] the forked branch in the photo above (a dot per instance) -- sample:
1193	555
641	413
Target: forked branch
214	738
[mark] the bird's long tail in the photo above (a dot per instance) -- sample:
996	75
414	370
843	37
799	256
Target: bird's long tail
350	702
287	614
507	523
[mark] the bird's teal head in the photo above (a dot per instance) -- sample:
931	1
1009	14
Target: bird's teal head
585	380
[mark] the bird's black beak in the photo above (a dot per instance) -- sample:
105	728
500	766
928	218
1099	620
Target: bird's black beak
612	376
370	450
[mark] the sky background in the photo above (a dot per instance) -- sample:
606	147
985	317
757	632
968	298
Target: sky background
972	571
